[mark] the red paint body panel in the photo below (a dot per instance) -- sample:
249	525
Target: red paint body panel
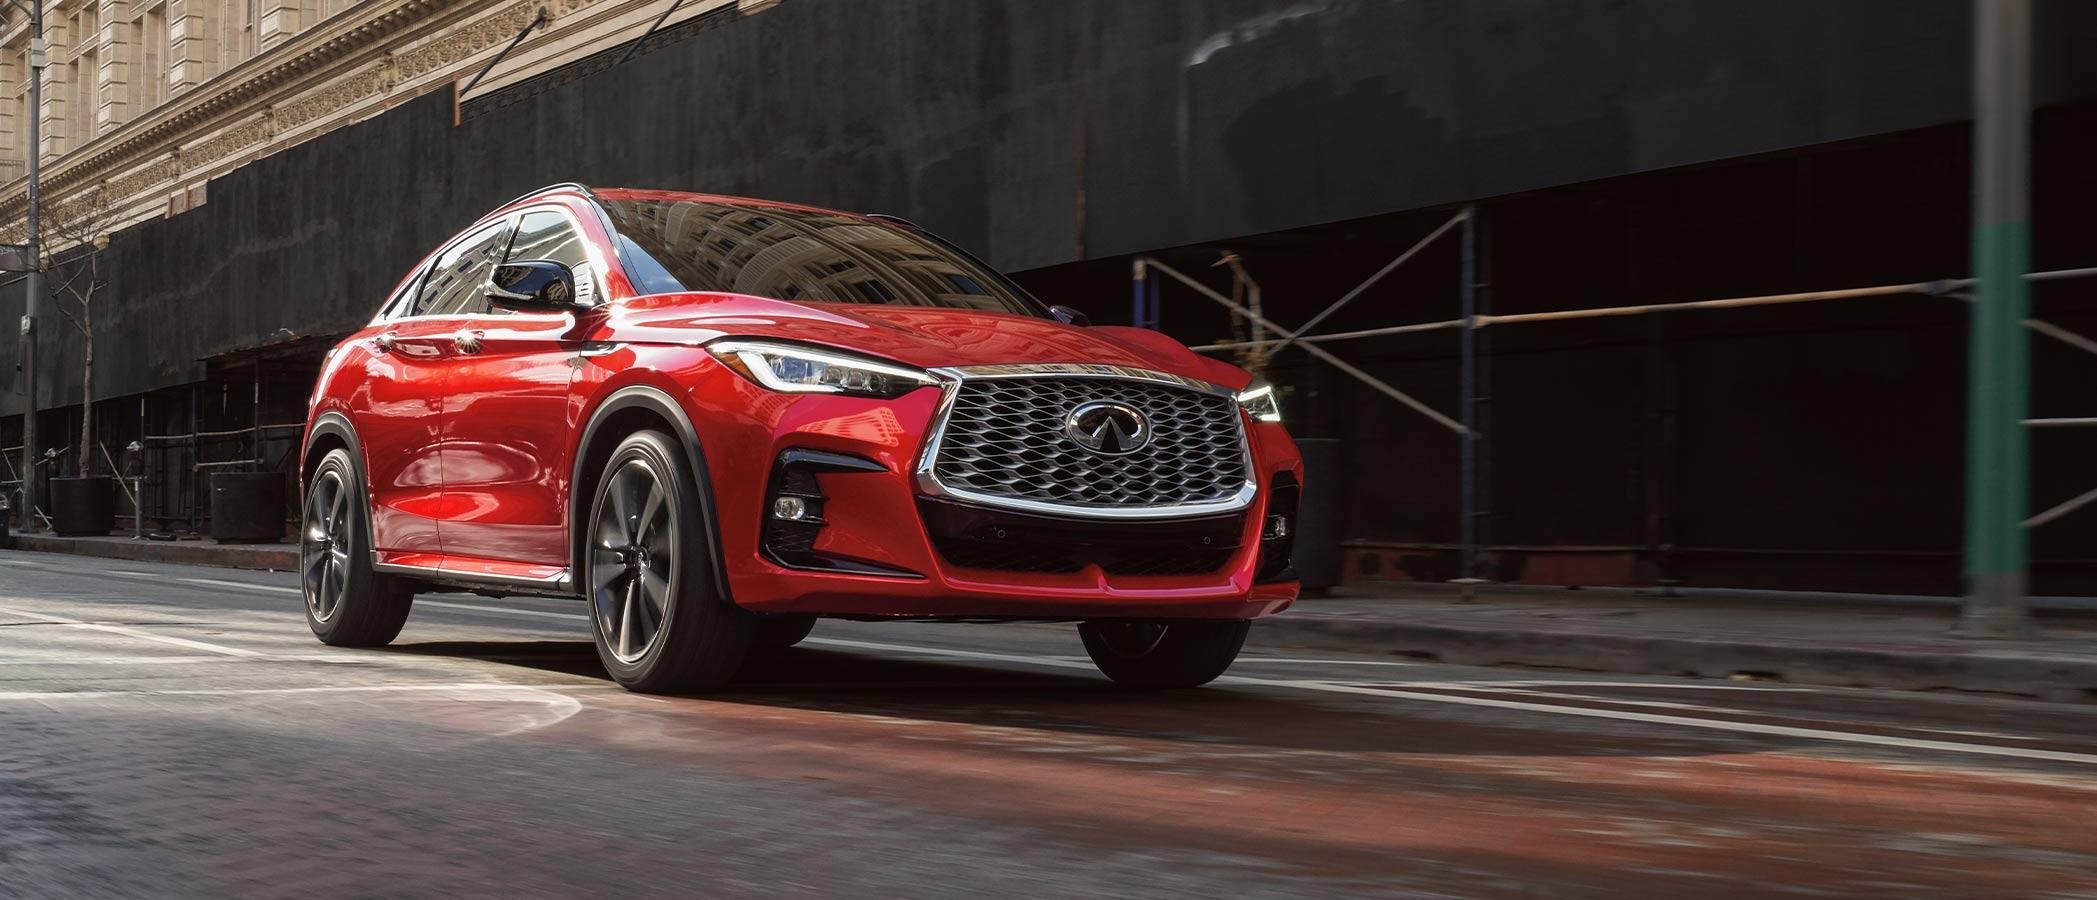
469	455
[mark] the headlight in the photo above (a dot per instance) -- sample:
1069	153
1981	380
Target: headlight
796	369
1260	401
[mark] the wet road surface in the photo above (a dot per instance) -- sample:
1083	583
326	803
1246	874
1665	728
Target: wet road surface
168	731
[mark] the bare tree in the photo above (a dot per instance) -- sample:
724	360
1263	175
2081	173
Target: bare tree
77	229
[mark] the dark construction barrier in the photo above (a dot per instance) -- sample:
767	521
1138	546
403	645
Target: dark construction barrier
1763	449
247	507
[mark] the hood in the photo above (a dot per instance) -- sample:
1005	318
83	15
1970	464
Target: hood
924	337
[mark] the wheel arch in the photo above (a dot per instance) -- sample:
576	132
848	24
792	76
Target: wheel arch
621	413
331	431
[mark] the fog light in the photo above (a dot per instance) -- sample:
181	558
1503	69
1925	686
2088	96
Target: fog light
1277	528
793	509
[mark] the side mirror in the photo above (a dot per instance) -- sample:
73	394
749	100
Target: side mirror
1069	316
533	285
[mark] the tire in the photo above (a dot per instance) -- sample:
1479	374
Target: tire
347	604
1159	655
660	625
781	632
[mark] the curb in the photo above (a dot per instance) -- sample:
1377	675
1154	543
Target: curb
279	557
1993	671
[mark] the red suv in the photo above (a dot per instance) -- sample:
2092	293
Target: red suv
717	419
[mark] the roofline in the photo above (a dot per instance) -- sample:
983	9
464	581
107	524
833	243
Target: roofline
575	185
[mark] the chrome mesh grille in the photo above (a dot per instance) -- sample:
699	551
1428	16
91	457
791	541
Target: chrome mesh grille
1004	437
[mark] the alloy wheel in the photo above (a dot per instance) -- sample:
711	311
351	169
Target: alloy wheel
633	560
324	545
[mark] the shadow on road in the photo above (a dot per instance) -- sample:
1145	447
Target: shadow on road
826	680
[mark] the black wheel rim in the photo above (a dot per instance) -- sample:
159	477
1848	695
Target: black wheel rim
633	560
1131	640
324	545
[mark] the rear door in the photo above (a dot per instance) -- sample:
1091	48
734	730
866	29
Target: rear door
507	420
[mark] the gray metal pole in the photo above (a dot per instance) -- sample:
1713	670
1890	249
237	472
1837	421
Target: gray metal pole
33	285
1999	365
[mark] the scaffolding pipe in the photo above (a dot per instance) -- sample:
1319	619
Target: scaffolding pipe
1319	352
1950	287
1289	337
2063	335
2061	510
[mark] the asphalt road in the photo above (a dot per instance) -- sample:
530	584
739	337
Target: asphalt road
168	731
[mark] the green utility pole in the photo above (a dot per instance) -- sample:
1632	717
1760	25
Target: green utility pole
1999	365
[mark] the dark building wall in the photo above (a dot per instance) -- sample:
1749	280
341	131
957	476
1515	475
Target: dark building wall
1044	135
1815	445
1039	133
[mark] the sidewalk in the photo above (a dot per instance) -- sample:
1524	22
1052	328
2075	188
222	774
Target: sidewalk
1814	639
278	557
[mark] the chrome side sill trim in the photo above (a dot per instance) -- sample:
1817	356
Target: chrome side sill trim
558	581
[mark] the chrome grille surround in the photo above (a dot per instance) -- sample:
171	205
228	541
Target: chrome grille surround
1199	461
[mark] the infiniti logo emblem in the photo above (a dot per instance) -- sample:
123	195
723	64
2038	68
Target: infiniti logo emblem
1107	428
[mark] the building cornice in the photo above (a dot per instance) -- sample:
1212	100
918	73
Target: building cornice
257	77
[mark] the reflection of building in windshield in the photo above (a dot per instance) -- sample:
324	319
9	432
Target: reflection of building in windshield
804	256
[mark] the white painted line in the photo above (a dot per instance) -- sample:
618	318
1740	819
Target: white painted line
170	660
459	687
133	632
1817	734
245	585
419	603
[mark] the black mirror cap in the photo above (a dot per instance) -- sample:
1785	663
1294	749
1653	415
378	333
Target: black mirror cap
1069	316
533	284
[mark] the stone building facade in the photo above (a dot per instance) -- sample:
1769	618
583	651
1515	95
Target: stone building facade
150	99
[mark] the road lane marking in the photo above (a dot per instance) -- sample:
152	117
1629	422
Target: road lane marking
171	660
549	695
132	632
1817	734
248	585
419	603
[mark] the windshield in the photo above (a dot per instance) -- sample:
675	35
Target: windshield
800	255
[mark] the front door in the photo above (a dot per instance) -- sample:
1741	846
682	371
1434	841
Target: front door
397	417
507	423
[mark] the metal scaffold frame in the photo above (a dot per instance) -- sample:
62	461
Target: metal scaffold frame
1471	424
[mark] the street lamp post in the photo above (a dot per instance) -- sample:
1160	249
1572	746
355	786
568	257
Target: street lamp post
33	284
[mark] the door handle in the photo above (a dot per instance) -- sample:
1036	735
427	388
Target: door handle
385	343
467	341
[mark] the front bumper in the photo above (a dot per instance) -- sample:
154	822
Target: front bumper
916	556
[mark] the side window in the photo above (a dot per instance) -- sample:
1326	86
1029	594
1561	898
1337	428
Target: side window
545	234
453	285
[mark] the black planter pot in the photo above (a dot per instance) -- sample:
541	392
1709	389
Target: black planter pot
83	505
247	507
